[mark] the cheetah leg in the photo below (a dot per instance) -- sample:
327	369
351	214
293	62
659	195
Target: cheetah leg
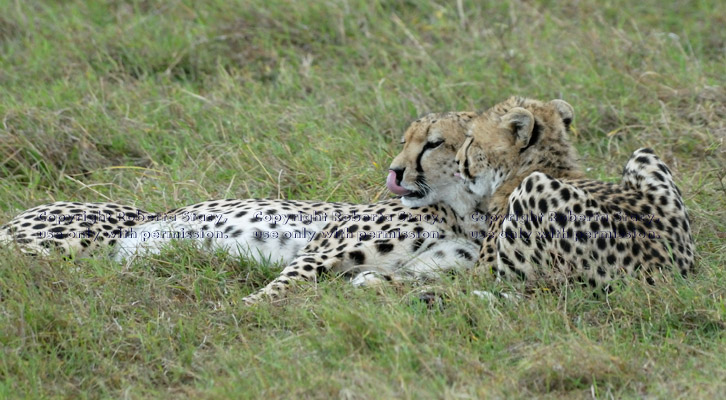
442	257
646	173
306	267
446	256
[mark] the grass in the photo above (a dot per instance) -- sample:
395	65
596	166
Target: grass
165	103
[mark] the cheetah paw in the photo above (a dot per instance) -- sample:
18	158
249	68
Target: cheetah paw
366	279
486	295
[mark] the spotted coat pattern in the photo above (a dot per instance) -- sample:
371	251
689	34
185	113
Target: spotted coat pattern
547	224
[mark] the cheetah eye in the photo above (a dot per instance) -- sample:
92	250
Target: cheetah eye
433	145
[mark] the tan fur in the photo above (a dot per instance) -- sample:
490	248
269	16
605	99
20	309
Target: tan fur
429	129
520	148
447	199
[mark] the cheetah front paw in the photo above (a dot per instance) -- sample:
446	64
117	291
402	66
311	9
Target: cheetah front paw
367	279
492	297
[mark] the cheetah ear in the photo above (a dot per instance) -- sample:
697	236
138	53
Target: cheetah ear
565	110
521	123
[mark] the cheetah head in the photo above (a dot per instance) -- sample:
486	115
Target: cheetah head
423	173
514	138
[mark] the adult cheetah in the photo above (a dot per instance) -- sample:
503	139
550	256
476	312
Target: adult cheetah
278	230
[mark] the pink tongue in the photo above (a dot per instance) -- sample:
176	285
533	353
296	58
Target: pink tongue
393	187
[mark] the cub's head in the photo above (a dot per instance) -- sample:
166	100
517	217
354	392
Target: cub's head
515	138
423	173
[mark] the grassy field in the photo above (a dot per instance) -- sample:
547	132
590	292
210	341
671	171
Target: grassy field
165	103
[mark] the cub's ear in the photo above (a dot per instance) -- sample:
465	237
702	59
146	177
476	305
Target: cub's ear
521	123
565	110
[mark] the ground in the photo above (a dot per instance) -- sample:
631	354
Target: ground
161	104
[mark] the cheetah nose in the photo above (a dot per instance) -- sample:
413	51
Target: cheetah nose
393	182
457	175
399	174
